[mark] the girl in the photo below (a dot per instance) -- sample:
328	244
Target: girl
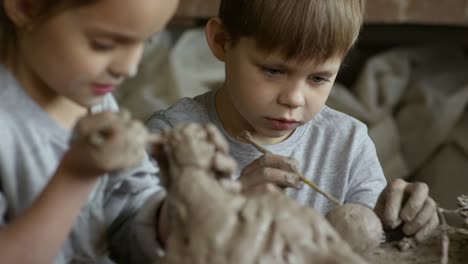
60	59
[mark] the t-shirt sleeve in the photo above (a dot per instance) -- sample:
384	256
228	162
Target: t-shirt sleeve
3	208
158	122
366	180
6	166
185	111
132	200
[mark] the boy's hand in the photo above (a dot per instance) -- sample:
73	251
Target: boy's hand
409	205
270	169
105	142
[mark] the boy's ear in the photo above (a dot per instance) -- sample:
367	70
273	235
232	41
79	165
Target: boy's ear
217	38
19	12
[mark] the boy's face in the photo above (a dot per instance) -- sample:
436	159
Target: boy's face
269	96
84	53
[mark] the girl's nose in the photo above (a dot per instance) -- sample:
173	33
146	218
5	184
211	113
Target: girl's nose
126	63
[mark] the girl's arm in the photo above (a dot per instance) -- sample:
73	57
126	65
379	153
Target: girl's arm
102	143
38	235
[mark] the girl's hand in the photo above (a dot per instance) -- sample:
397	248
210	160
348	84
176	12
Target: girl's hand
198	145
105	142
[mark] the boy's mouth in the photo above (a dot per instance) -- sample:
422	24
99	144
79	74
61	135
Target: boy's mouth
282	124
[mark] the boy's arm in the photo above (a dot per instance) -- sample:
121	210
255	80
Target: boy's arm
398	203
366	177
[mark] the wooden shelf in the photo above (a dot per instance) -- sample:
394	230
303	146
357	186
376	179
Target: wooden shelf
432	12
197	8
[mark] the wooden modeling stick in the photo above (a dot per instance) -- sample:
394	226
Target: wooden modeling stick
248	138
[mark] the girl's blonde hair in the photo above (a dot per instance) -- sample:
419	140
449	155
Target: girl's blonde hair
299	29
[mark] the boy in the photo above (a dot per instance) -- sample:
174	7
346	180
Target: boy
281	60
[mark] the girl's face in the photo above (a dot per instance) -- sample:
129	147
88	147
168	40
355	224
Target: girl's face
84	53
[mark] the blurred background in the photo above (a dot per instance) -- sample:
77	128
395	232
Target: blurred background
407	79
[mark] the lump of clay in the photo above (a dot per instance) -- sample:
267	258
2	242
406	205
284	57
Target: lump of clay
358	225
213	223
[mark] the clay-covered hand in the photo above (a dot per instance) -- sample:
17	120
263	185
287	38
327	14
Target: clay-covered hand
188	152
409	205
270	169
106	142
194	145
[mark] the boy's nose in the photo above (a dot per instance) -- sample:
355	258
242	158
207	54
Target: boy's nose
292	95
126	63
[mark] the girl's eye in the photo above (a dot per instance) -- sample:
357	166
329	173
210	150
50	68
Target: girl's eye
151	40
101	45
272	71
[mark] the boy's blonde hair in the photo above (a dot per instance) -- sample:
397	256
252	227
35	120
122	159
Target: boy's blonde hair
39	10
298	29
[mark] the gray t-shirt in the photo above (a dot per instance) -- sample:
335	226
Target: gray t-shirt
31	146
334	151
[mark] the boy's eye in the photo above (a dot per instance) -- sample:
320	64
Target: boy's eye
319	79
102	45
272	71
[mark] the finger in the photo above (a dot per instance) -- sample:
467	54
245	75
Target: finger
157	150
422	219
96	122
105	135
137	131
275	176
217	138
418	194
129	134
123	151
194	131
392	205
253	166
162	159
224	164
279	162
125	115
428	229
260	189
115	133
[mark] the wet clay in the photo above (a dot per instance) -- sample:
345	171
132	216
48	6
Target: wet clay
213	222
108	141
359	226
